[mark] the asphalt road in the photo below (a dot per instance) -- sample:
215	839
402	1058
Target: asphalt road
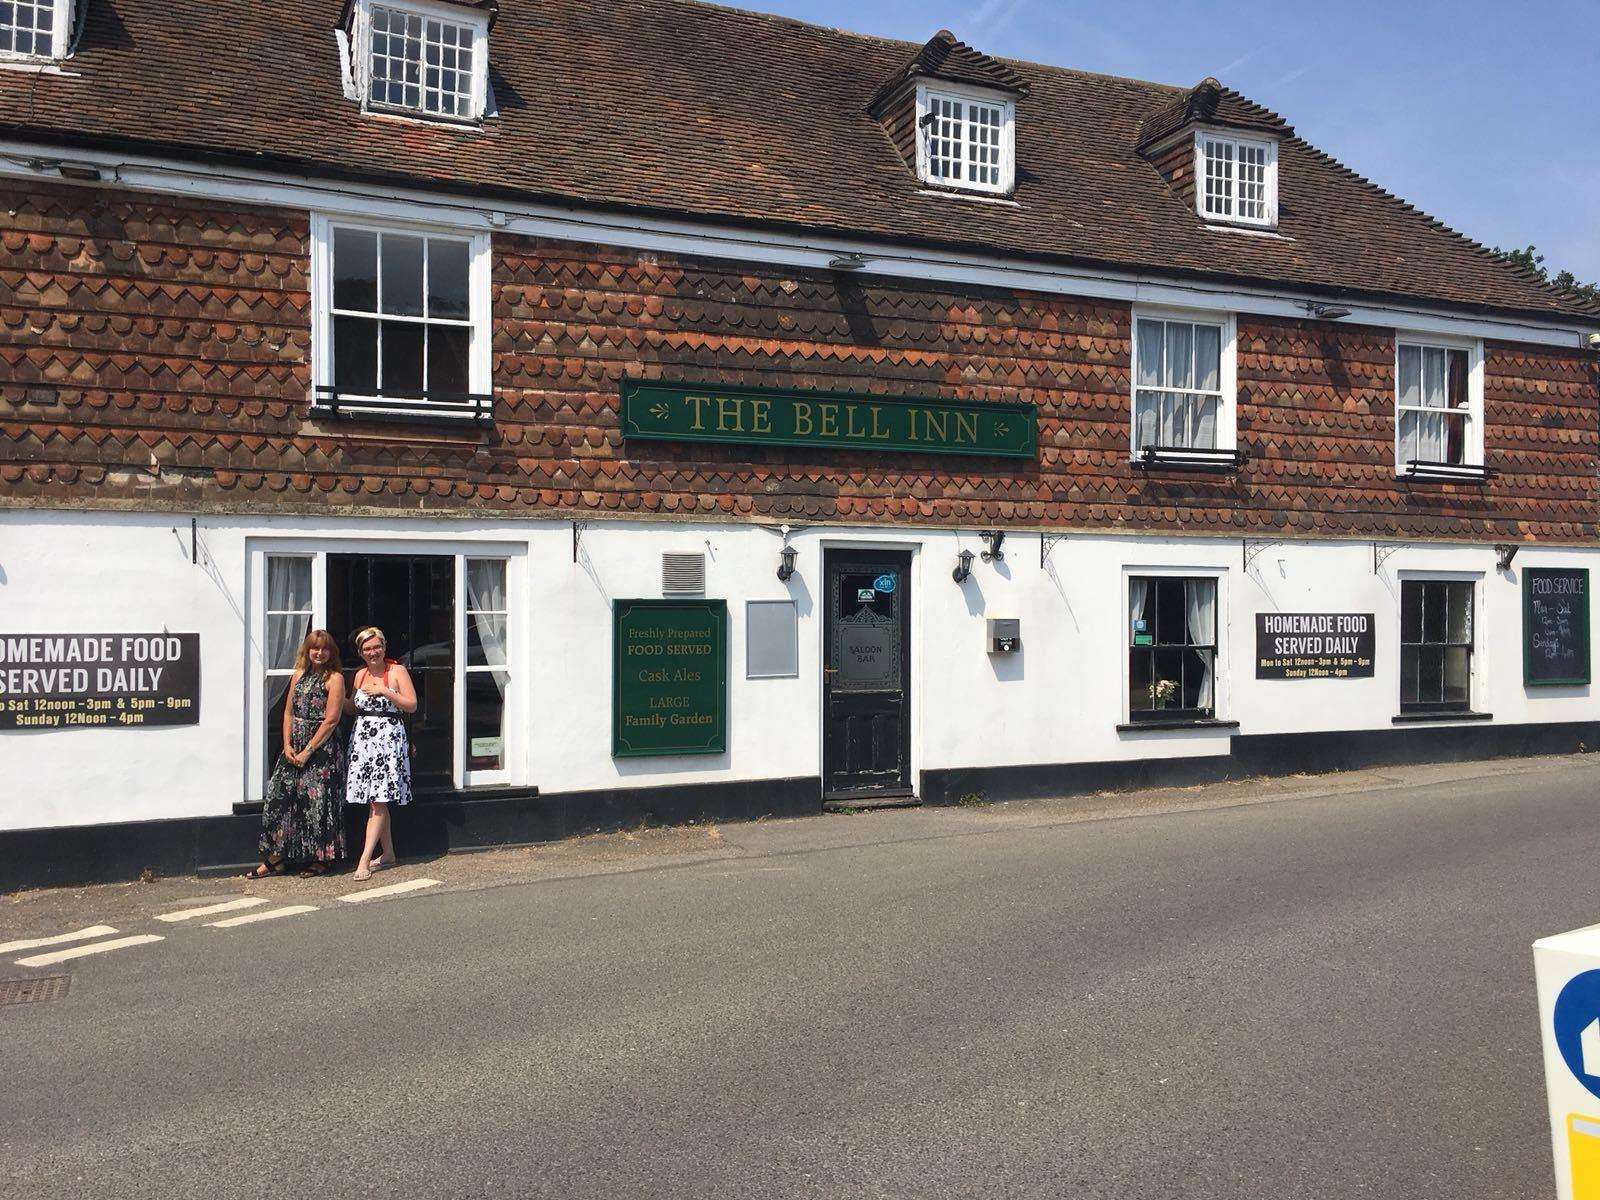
1322	996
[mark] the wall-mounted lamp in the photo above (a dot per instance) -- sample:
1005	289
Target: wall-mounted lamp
1503	554
1325	312
993	538
83	171
847	262
786	563
963	566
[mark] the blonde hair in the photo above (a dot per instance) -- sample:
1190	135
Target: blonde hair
318	639
366	635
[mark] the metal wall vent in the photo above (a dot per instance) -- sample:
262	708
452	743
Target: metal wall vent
683	574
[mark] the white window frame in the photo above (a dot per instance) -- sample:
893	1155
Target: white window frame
1227	377
1475	384
497	775
1270	220
360	52
480	300
518	702
63	14
966	94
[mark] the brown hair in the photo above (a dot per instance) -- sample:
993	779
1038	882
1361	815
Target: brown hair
320	639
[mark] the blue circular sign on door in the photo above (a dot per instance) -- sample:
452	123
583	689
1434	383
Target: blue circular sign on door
884	583
1577	1028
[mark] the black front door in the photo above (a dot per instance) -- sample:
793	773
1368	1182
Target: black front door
412	598
866	739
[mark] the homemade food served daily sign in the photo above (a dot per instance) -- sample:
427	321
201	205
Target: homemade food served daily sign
1315	645
669	677
826	420
60	680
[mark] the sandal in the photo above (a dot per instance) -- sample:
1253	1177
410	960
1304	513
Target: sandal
264	869
361	874
312	870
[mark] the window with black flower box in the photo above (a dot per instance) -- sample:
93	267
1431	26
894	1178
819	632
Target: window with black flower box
403	319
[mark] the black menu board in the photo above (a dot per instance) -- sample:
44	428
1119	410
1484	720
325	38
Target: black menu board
1555	626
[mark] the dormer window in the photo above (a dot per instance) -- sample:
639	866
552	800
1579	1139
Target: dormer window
415	56
966	139
35	28
1237	179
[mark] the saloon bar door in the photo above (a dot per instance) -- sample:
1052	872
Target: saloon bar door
866	740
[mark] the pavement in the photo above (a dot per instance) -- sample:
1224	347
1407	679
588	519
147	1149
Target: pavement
1319	986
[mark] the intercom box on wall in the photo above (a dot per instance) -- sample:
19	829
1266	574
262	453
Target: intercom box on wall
1004	635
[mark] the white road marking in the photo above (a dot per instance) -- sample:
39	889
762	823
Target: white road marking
45	960
93	931
184	914
292	910
392	889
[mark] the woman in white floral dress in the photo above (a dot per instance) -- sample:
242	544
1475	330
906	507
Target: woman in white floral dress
380	755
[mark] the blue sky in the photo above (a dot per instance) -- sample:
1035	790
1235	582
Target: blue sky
1484	115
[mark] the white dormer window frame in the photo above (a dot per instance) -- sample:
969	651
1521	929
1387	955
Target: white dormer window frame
460	29
966	138
1236	179
44	42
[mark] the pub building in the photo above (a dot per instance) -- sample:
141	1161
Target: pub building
823	420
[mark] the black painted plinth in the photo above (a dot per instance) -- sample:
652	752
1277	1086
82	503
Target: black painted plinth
1265	754
432	825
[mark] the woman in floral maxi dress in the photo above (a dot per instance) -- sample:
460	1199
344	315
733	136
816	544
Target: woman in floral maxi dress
303	818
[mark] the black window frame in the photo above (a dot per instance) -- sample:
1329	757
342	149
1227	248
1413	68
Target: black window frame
1424	647
1151	652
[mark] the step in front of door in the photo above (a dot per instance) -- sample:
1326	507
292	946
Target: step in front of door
862	803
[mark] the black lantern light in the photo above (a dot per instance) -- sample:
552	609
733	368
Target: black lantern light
786	565
963	566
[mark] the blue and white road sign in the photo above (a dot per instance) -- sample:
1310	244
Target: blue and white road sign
1576	1024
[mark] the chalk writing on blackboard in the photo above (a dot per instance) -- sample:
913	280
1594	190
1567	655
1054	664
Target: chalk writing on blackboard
1555	625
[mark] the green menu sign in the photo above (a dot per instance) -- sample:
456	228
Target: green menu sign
826	420
669	677
1555	626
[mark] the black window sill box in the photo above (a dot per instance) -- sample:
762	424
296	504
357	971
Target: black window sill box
1178	723
1182	458
1443	472
1413	718
452	408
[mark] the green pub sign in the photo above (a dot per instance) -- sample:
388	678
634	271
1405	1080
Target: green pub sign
826	420
669	677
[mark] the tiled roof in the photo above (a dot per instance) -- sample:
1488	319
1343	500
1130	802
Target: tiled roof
1209	103
674	107
943	56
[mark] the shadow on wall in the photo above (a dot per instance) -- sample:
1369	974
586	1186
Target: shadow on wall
1006	667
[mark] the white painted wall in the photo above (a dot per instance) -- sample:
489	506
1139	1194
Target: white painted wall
1058	700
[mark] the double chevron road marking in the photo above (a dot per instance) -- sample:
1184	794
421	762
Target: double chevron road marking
102	939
